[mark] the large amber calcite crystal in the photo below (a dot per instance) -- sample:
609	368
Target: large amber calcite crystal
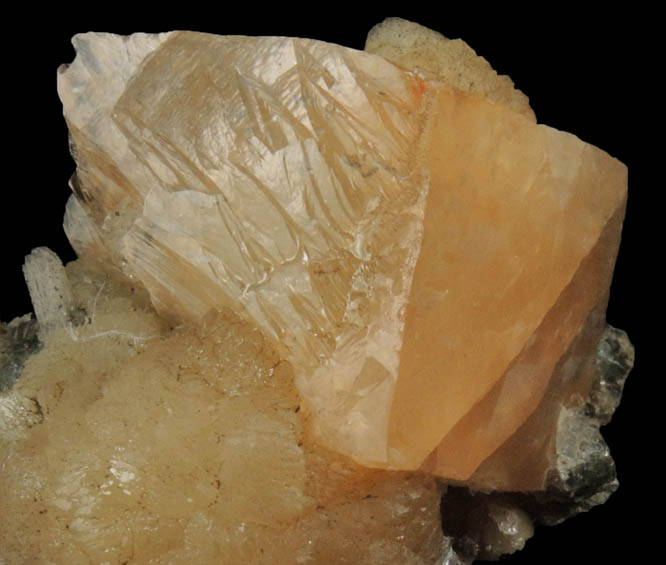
318	288
424	256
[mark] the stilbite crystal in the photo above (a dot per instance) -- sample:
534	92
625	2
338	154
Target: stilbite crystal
372	224
194	437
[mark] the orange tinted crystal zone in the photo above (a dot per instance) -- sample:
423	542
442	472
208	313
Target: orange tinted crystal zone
513	209
572	328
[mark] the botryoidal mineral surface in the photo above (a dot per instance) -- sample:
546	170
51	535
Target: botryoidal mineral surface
330	306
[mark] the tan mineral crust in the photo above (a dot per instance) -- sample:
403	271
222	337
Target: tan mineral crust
316	286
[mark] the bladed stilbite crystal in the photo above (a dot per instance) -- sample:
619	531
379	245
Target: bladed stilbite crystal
380	226
319	292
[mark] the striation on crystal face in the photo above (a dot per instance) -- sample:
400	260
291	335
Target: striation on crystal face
365	224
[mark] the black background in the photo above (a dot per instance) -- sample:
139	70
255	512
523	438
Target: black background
591	76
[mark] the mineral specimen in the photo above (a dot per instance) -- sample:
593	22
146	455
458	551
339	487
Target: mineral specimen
316	286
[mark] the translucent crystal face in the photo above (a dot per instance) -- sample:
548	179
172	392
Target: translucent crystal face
285	187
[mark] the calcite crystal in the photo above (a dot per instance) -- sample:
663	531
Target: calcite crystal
316	285
380	226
